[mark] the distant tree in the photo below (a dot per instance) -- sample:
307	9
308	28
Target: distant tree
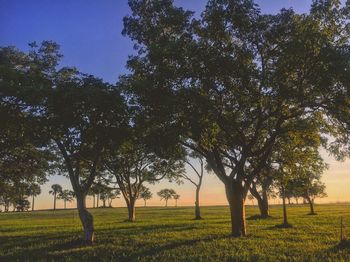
22	205
145	194
66	195
176	197
136	163
310	186
34	190
111	195
107	195
56	189
198	181
166	194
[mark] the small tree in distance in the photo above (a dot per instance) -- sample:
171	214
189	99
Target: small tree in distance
145	194
34	190
56	189
67	196
166	194
176	197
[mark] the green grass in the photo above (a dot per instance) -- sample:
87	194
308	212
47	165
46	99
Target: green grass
170	234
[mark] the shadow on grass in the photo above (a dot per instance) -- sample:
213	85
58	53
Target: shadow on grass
259	217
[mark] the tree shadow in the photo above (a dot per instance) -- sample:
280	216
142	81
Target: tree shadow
259	217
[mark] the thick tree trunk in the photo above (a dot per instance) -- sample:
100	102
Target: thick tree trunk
236	198
86	220
131	210
197	212
33	203
166	202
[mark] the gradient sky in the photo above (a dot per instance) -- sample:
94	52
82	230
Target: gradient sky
89	33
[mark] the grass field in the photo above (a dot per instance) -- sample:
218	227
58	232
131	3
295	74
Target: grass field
170	234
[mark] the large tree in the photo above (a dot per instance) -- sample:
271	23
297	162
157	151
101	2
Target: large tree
75	113
232	80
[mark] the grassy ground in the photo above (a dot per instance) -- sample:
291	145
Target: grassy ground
170	234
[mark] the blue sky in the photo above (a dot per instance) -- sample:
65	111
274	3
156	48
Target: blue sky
89	32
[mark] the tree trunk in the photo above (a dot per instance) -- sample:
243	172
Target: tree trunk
197	211
86	220
175	202
235	197
166	202
65	204
104	202
288	201
98	199
54	202
263	201
33	203
131	210
93	204
285	218
265	205
145	203
311	203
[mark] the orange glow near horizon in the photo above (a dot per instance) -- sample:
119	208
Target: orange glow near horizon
336	178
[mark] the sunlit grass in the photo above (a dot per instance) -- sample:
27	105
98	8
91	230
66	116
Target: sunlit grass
170	234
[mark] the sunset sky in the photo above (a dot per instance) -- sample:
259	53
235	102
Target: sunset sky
89	33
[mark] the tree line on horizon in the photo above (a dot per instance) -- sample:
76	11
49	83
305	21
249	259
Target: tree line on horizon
251	97
98	191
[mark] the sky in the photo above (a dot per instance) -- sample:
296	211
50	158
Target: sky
89	33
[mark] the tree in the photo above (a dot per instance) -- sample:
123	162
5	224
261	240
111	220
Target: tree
176	197
22	205
197	183
309	186
66	195
166	194
135	163
74	113
145	194
56	189
261	189
232	80
107	194
34	190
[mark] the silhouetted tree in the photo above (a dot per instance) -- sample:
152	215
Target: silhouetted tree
145	194
166	194
56	189
67	196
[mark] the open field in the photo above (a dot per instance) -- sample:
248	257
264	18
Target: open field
170	234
